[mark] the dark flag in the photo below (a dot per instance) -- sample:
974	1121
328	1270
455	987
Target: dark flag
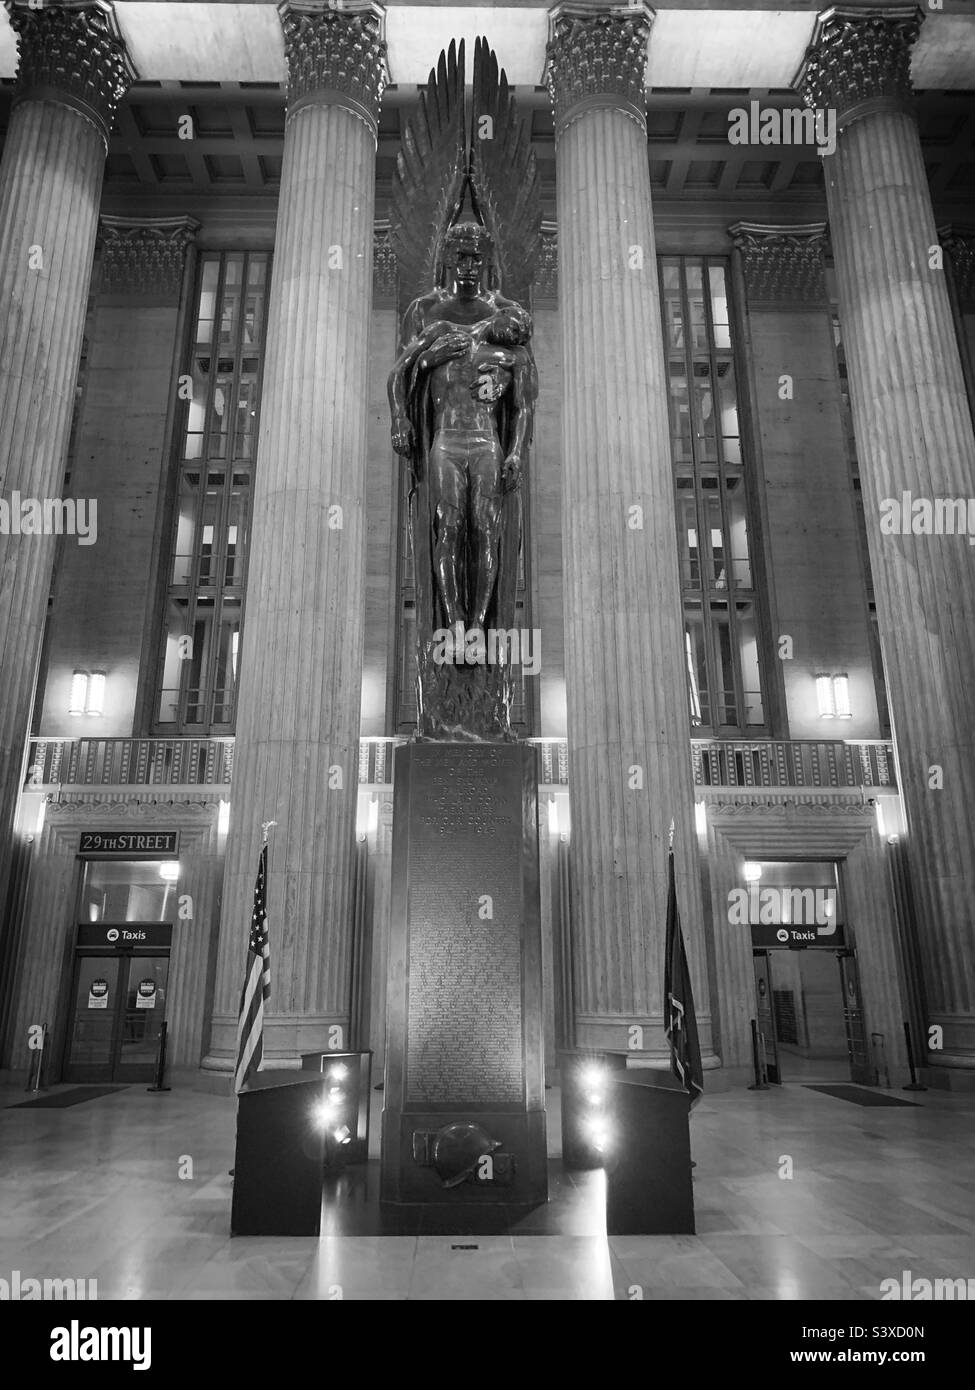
257	986
680	1023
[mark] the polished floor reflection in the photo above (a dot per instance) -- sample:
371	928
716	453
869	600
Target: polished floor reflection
797	1195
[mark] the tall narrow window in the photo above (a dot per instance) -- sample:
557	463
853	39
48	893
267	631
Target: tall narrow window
876	657
713	526
208	561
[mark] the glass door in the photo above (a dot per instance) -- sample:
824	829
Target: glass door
144	1008
118	1005
856	1041
92	1030
765	1013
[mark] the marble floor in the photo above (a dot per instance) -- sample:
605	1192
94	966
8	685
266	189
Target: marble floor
133	1190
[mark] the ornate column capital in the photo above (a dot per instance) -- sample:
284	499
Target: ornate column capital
782	264
145	255
336	56
959	242
74	54
859	60
597	57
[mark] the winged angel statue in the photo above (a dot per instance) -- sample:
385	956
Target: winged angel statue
462	391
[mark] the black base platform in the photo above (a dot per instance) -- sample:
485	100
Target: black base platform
576	1207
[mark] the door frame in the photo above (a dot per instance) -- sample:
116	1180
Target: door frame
861	1072
761	953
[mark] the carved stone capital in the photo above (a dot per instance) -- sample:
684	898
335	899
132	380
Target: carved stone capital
73	54
547	274
859	60
144	255
336	56
597	57
959	242
782	264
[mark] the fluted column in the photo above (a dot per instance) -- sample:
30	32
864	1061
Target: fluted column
296	752
915	446
72	72
626	674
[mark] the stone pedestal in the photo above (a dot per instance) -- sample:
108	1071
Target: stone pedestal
297	743
916	453
625	664
73	70
464	1031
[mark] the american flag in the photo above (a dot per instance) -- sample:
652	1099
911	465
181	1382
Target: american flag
257	987
680	1023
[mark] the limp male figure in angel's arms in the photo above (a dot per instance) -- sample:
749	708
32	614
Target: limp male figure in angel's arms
470	343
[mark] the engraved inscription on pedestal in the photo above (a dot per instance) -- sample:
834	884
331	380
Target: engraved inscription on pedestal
464	1029
464	1041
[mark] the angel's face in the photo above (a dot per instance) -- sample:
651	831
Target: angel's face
468	269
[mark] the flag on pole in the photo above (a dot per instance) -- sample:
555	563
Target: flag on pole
680	1022
257	986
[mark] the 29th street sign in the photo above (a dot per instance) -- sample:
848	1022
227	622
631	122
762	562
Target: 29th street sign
129	842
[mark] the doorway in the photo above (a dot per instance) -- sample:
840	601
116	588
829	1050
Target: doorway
118	1004
119	979
810	1016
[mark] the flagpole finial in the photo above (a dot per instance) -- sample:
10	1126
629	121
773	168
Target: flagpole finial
265	827
671	834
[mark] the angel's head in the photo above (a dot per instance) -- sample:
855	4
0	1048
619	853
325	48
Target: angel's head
468	250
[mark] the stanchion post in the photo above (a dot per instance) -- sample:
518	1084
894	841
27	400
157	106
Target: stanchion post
157	1084
914	1084
34	1080
760	1083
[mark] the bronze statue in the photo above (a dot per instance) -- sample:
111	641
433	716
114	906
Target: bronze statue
461	396
468	363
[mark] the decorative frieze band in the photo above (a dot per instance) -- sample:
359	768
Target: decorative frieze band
597	56
782	264
959	242
547	272
336	56
145	256
73	53
859	58
384	271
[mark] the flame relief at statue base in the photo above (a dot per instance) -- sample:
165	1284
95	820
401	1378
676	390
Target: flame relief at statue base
464	1116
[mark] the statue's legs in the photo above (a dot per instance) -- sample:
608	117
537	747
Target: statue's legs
448	507
484	470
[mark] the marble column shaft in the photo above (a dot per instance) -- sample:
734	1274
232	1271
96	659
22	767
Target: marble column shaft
72	72
914	436
626	673
296	754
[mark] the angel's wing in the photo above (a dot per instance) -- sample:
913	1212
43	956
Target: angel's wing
428	182
504	179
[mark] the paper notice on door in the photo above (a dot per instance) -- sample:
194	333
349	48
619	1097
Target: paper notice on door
98	994
146	995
